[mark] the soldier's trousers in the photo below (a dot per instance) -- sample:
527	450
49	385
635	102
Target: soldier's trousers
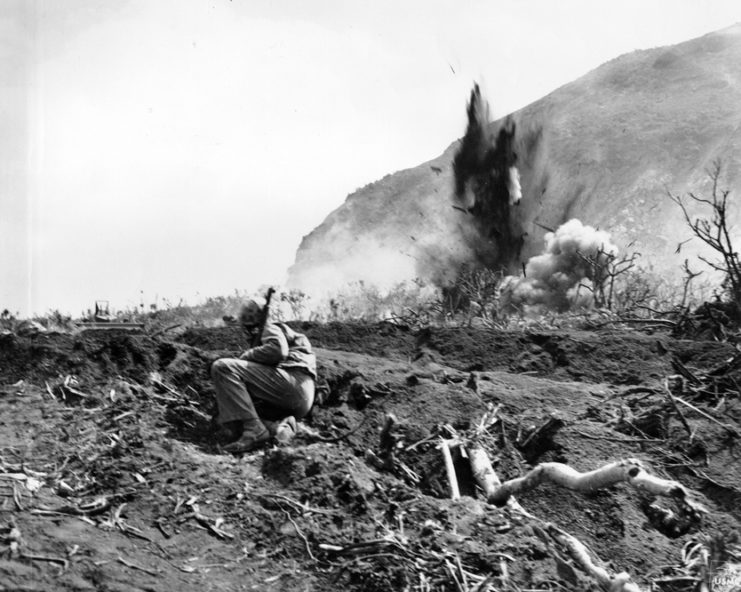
248	391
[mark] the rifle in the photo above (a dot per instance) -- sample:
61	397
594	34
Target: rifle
263	318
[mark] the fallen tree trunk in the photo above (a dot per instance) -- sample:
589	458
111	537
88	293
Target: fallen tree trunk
487	478
629	470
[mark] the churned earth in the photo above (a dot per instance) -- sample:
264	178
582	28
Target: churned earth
111	479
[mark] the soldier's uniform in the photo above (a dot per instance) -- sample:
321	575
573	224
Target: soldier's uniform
278	376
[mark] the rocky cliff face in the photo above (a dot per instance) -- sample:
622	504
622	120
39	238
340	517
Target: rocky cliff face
605	149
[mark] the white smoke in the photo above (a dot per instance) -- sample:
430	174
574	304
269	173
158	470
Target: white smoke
513	186
562	275
364	260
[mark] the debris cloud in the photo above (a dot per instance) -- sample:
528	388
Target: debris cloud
561	277
487	185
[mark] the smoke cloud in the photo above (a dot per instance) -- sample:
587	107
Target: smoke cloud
379	240
487	185
554	280
365	260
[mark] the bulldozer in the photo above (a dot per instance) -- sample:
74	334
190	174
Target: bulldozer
102	319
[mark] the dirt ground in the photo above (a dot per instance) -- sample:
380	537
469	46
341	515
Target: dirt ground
110	479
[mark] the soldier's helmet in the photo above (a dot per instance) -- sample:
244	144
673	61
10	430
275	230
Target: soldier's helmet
251	314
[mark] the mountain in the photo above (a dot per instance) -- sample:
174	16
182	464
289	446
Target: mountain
606	149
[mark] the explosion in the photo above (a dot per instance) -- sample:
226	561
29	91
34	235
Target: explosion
487	185
378	246
573	253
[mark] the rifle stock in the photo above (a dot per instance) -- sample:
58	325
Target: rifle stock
263	318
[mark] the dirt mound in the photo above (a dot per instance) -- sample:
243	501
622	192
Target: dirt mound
112	480
381	339
92	355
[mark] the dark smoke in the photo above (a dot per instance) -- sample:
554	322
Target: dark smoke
487	185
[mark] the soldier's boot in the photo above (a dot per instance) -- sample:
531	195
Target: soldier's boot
254	434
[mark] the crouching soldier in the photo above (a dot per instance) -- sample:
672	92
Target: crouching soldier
262	393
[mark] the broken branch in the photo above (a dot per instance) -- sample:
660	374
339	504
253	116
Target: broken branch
580	554
450	469
707	416
138	567
63	562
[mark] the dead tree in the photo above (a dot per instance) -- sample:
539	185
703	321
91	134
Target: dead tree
603	269
713	229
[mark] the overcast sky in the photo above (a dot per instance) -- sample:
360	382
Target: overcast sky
182	148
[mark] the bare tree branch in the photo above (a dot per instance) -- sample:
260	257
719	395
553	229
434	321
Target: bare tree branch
713	229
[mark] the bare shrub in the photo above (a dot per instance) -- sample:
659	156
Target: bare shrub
479	290
361	301
296	301
714	230
604	270
7	320
633	290
55	320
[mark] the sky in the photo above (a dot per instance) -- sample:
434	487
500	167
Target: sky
159	150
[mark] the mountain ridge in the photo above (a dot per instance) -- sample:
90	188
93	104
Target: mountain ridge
605	148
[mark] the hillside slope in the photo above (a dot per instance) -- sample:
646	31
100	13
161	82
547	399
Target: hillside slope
605	148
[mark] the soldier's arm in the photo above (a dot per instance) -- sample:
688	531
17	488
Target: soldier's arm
273	348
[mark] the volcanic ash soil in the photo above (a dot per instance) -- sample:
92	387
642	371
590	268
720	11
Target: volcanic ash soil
111	478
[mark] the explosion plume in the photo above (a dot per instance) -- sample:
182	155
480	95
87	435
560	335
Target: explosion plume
573	253
487	185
